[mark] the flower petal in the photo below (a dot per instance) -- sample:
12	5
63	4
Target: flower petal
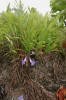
32	53
32	62
20	98
23	61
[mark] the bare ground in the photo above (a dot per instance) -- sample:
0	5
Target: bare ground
42	82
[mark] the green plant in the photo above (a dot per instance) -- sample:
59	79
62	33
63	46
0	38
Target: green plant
59	7
29	30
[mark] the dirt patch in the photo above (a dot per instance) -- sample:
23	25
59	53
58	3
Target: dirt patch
49	72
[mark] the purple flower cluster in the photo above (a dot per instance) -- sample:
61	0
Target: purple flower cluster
31	61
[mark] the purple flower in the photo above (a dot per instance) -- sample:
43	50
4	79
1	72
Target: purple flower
23	61
20	98
32	62
32	53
